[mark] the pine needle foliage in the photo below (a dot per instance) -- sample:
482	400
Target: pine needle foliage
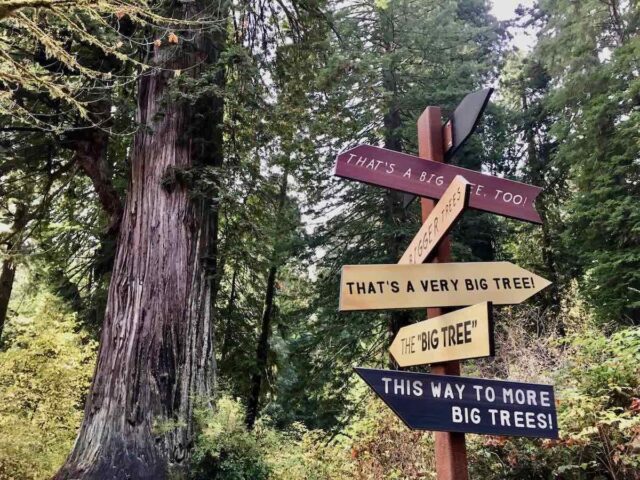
43	48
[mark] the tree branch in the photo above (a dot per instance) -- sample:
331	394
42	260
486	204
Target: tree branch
7	7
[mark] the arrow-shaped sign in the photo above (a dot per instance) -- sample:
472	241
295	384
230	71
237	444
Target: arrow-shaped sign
392	286
465	119
459	335
464	404
439	222
410	174
461	125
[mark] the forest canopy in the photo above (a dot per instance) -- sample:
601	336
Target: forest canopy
172	235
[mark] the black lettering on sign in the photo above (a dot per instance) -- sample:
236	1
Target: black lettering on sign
430	340
467	331
472	284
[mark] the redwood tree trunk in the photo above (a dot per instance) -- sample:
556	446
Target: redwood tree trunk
156	357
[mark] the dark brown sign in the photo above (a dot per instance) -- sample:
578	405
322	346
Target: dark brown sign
426	178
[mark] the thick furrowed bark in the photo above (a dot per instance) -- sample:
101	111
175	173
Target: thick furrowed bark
156	352
156	348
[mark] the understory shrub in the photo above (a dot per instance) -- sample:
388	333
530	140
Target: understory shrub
225	449
45	369
598	401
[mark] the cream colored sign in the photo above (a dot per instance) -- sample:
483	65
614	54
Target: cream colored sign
450	206
380	287
465	333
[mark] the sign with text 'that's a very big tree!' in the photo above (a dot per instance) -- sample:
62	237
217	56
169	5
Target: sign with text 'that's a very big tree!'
393	286
468	405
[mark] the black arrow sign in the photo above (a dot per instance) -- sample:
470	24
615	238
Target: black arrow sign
468	405
466	116
463	122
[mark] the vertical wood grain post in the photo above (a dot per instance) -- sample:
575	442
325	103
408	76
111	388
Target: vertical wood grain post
450	448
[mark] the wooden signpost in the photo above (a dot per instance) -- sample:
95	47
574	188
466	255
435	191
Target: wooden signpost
443	401
450	447
466	405
393	286
462	334
453	202
461	125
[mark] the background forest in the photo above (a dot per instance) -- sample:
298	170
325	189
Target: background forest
243	105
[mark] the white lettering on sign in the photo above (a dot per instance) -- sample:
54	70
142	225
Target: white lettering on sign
371	163
403	387
462	404
376	165
520	419
455	391
465	415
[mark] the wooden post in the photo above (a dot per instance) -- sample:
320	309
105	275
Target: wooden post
451	451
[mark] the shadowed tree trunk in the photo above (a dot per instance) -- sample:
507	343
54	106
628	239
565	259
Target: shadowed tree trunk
90	152
7	276
8	272
228	315
262	351
90	144
156	357
538	163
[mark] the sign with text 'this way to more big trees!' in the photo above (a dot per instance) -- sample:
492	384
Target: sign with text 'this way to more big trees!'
467	405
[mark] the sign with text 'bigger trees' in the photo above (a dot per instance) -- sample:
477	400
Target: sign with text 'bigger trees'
393	286
439	222
468	405
409	174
